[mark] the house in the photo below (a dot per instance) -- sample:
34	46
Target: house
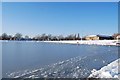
116	36
91	37
98	37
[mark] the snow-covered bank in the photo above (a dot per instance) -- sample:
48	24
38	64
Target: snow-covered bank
89	42
109	71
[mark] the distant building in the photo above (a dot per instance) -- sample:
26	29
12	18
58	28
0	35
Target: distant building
98	37
117	36
91	37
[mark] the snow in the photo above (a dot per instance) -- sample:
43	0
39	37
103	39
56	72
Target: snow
91	35
89	42
109	71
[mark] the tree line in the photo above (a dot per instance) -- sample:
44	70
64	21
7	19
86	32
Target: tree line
45	37
42	37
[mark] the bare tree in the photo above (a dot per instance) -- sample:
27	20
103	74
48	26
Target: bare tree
49	36
44	37
18	36
71	37
0	37
26	37
10	37
60	37
4	36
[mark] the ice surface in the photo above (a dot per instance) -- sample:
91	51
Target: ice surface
71	68
77	67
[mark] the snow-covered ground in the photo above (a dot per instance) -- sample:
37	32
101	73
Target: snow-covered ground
89	42
109	71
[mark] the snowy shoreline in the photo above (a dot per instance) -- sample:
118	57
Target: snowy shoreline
89	42
109	71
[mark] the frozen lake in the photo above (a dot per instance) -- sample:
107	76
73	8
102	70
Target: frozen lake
39	59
